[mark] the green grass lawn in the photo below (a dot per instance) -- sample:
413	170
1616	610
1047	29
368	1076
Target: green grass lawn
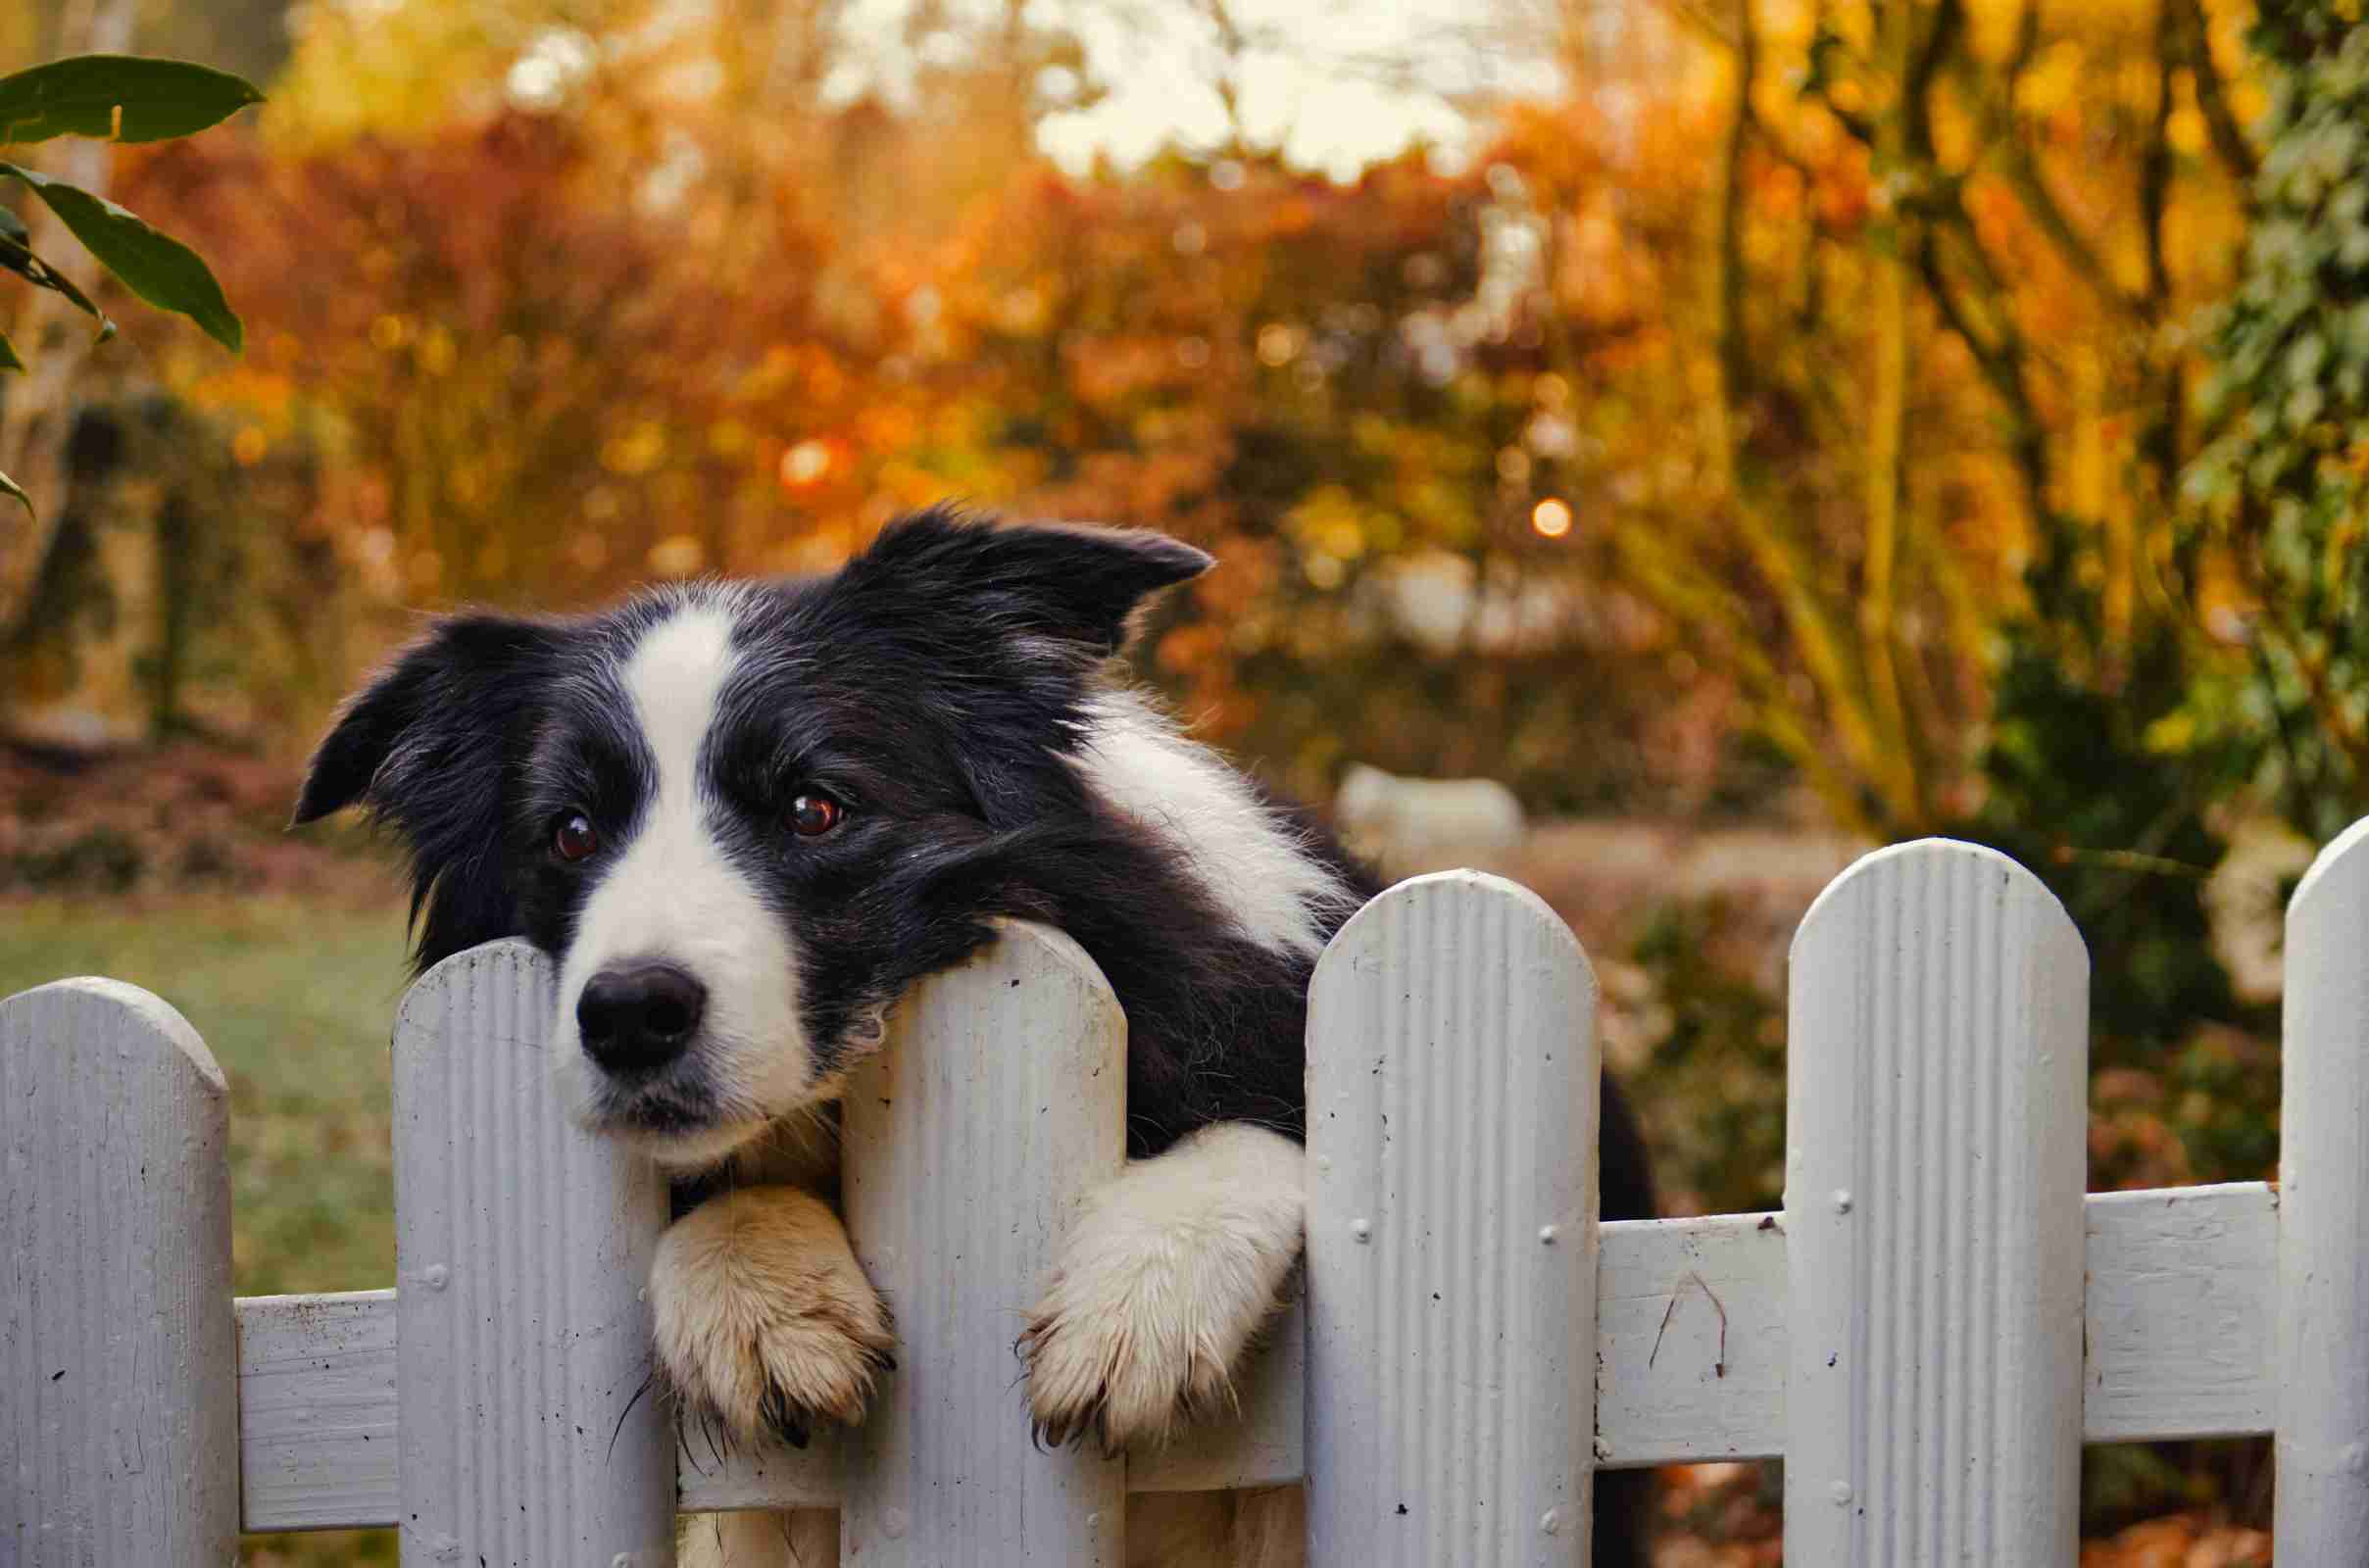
296	1001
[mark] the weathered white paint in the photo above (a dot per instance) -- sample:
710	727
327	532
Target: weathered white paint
119	1408
1935	1148
2181	1297
1692	1343
1451	1221
317	1410
2182	1307
2323	1323
1699	1320
971	1139
521	1247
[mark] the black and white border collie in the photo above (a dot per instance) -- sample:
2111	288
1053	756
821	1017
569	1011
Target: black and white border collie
744	819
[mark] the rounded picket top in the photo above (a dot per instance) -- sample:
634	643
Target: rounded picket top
1465	894
114	1124
1453	1083
143	1015
1025	953
510	955
521	1246
1969	861
1936	1111
997	1104
2340	870
2323	1493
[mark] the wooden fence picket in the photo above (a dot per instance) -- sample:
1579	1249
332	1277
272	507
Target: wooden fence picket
1926	1335
1936	1144
2322	1359
996	1107
118	1396
1452	1220
527	1436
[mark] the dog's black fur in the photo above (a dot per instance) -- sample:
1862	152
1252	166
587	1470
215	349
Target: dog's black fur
939	686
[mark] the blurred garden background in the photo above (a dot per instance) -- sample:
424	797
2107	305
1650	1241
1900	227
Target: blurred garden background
1750	429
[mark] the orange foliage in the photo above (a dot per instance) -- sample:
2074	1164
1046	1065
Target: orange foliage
522	370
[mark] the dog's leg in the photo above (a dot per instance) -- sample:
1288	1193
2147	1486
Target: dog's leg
1162	1284
762	1318
805	1538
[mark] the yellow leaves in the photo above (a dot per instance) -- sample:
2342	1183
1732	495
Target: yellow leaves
636	452
2187	131
2054	81
677	555
437	353
2171	735
1331	522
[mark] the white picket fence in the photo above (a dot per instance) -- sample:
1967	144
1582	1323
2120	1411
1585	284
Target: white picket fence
1926	1334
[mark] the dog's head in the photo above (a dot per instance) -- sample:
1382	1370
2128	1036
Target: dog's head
744	818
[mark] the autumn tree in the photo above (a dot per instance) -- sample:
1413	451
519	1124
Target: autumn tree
2283	494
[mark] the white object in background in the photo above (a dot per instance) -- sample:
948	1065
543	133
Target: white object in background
1936	1140
529	1433
1453	1075
2323	1334
119	1423
971	1140
1412	821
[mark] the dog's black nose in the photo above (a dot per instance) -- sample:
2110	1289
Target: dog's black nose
637	1017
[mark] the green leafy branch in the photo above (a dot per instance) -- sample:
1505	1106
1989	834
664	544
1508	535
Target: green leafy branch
125	98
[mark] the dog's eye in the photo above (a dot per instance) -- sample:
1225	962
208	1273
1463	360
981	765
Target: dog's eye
812	816
573	837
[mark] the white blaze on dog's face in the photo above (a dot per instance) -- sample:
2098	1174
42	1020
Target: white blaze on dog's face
673	922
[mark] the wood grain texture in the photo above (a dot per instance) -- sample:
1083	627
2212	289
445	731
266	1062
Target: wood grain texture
1936	1099
971	1141
1690	1320
2181	1297
317	1407
2182	1305
1453	1077
119	1402
521	1246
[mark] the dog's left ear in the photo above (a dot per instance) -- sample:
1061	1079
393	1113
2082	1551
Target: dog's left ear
1072	583
436	711
429	746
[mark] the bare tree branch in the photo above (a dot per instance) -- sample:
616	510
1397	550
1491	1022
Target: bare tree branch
2213	94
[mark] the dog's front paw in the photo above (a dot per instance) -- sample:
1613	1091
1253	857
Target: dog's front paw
762	1318
1162	1286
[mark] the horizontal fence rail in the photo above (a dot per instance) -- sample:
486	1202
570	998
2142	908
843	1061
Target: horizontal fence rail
1926	1331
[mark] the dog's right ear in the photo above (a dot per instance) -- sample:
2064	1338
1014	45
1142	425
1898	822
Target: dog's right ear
436	713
